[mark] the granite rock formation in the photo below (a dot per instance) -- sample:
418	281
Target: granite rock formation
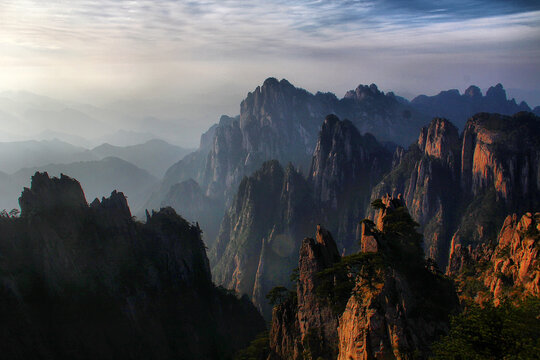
460	189
306	326
87	281
396	306
257	244
282	122
344	168
507	268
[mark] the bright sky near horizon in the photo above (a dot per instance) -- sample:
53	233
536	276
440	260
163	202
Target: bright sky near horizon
202	52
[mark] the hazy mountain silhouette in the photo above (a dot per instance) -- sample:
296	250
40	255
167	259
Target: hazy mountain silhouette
23	154
458	107
155	156
99	178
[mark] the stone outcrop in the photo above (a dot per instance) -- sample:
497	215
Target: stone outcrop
397	306
84	281
344	168
48	195
505	269
502	153
306	325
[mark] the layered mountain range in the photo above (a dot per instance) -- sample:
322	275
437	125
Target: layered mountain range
279	121
259	183
282	122
87	281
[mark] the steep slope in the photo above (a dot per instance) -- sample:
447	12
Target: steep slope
500	173
458	107
428	177
344	168
279	121
461	189
507	268
257	243
83	281
305	325
154	156
384	302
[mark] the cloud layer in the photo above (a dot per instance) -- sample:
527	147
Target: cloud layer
219	49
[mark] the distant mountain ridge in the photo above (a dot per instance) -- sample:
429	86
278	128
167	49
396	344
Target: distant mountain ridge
458	107
155	155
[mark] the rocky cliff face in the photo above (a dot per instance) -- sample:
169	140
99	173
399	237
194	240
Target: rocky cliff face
427	175
505	269
257	246
459	107
81	281
306	326
344	168
395	307
460	189
400	307
280	121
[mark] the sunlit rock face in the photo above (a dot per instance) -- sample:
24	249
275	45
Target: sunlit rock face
460	189
89	281
503	269
307	325
398	304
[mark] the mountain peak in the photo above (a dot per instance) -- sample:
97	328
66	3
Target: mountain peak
46	193
440	139
473	91
496	92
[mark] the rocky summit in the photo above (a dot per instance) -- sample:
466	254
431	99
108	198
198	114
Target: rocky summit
85	281
460	188
383	302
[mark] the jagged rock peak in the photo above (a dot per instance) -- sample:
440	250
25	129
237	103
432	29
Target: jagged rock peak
440	139
496	92
386	205
47	193
116	203
363	91
473	91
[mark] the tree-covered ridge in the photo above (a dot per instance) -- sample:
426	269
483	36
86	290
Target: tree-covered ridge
507	331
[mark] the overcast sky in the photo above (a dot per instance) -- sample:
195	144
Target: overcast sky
205	55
